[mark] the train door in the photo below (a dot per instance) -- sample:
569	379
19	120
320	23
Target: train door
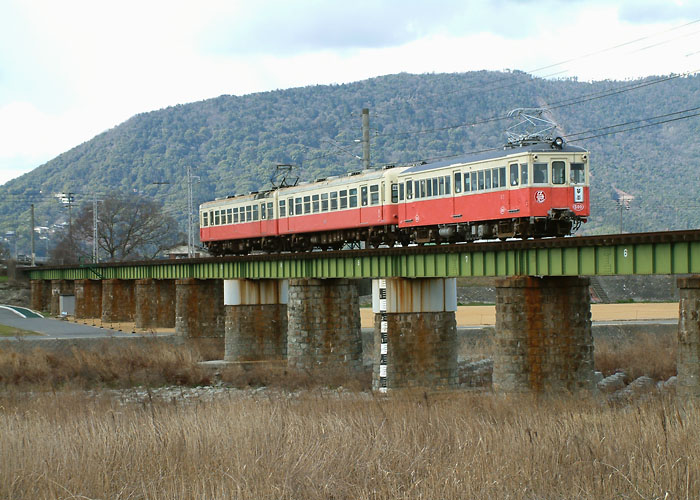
365	211
456	194
407	208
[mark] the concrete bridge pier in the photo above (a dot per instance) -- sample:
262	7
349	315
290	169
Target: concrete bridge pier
155	303
324	325
688	363
58	288
199	313
88	299
41	295
415	333
543	340
118	300
255	320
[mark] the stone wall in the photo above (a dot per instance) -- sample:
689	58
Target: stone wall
88	299
421	350
41	295
256	332
324	325
543	338
689	337
117	300
155	303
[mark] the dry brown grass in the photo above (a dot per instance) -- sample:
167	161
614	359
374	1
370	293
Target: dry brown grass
321	445
111	366
646	354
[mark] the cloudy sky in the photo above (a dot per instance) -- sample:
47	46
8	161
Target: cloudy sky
71	69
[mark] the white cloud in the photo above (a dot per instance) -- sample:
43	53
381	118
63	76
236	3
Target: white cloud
78	67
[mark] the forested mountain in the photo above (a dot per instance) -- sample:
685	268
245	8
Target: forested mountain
234	143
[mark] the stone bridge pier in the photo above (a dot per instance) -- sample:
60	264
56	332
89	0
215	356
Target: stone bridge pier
255	320
41	295
543	341
415	333
155	303
324	325
88	299
199	312
688	363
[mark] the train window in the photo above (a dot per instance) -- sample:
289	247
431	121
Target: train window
395	193
270	213
429	188
248	213
514	174
474	181
211	218
363	195
307	204
467	184
263	212
558	172
523	174
283	208
435	186
441	186
423	192
416	189
494	177
374	194
353	198
539	173
324	202
229	216
401	191
255	212
343	199
334	200
409	190
217	221
458	182
481	179
315	204
205	220
502	176
298	206
448	188
487	179
235	215
578	174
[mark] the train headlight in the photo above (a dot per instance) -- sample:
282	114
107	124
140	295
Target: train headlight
558	143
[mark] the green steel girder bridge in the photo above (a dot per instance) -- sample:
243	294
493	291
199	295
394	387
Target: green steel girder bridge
672	252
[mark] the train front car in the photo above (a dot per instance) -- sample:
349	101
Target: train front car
533	190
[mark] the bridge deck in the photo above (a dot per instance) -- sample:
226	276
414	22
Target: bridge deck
674	252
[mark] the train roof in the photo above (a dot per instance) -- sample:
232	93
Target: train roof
540	147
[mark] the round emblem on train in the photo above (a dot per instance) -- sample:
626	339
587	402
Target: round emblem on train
540	196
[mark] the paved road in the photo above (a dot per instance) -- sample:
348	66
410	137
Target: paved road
55	328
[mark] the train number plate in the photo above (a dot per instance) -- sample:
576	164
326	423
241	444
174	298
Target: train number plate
578	207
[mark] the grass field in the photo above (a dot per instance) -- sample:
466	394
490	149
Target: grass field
88	425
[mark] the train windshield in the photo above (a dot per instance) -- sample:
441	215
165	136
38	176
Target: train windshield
578	174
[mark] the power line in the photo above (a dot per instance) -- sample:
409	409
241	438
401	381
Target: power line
444	157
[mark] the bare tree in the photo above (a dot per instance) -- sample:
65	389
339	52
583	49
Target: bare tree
128	227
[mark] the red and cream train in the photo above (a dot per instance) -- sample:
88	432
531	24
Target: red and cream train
533	190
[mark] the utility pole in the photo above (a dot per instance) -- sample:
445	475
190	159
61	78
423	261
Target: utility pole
95	246
365	138
32	238
190	212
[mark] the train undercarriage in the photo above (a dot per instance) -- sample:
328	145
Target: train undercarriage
558	223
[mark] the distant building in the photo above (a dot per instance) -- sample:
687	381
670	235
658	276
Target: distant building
180	252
